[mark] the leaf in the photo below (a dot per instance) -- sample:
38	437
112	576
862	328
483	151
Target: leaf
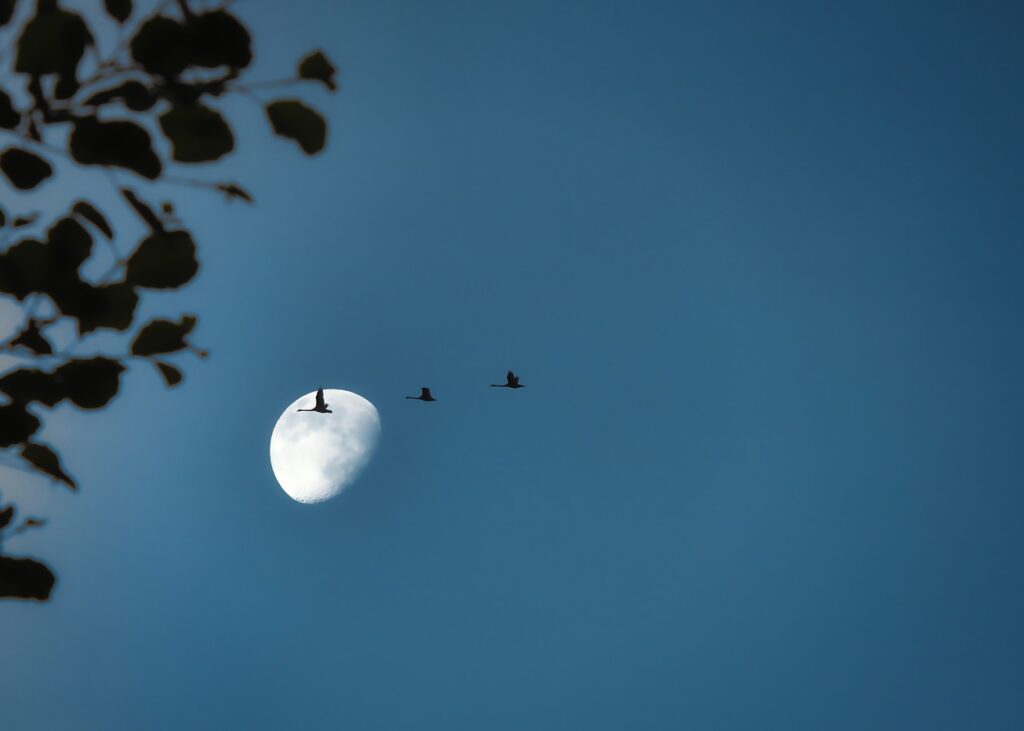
26	385
293	119
163	336
172	376
24	169
6	11
110	306
23	578
144	211
32	338
9	117
66	86
6	515
88	211
197	133
317	66
35	266
159	45
135	95
46	460
90	383
232	190
16	424
119	10
163	261
117	143
52	42
217	39
68	244
24	268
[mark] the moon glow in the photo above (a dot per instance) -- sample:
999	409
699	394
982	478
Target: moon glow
316	456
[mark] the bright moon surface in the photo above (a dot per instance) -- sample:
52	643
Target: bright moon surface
316	456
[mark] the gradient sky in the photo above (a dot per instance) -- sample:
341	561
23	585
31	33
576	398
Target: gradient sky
760	267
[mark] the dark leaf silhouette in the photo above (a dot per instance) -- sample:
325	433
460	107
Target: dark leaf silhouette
232	190
164	76
163	261
159	46
30	384
6	11
171	375
90	383
52	42
119	10
24	169
110	306
293	119
32	338
163	336
117	143
218	39
24	268
35	266
9	117
23	578
16	424
317	67
89	212
45	460
69	244
67	85
197	133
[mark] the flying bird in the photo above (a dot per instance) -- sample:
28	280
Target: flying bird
512	381
321	407
424	395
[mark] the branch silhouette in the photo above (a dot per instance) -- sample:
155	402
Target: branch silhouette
161	78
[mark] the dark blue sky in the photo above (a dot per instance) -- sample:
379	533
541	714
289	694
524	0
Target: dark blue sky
760	265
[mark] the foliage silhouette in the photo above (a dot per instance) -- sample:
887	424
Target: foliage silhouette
64	98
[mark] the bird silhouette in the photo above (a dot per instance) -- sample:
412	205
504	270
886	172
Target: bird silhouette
512	381
321	407
424	395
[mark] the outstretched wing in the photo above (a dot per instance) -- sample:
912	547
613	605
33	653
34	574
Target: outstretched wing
320	399
513	379
425	392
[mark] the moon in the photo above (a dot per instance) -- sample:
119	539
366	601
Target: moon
316	456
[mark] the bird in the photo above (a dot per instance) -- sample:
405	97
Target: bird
321	407
425	395
512	381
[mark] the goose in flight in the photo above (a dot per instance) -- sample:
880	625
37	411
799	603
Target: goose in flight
512	381
424	395
321	407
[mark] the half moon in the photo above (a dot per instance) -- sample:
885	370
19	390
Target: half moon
315	456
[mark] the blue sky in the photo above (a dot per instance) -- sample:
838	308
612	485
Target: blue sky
759	265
